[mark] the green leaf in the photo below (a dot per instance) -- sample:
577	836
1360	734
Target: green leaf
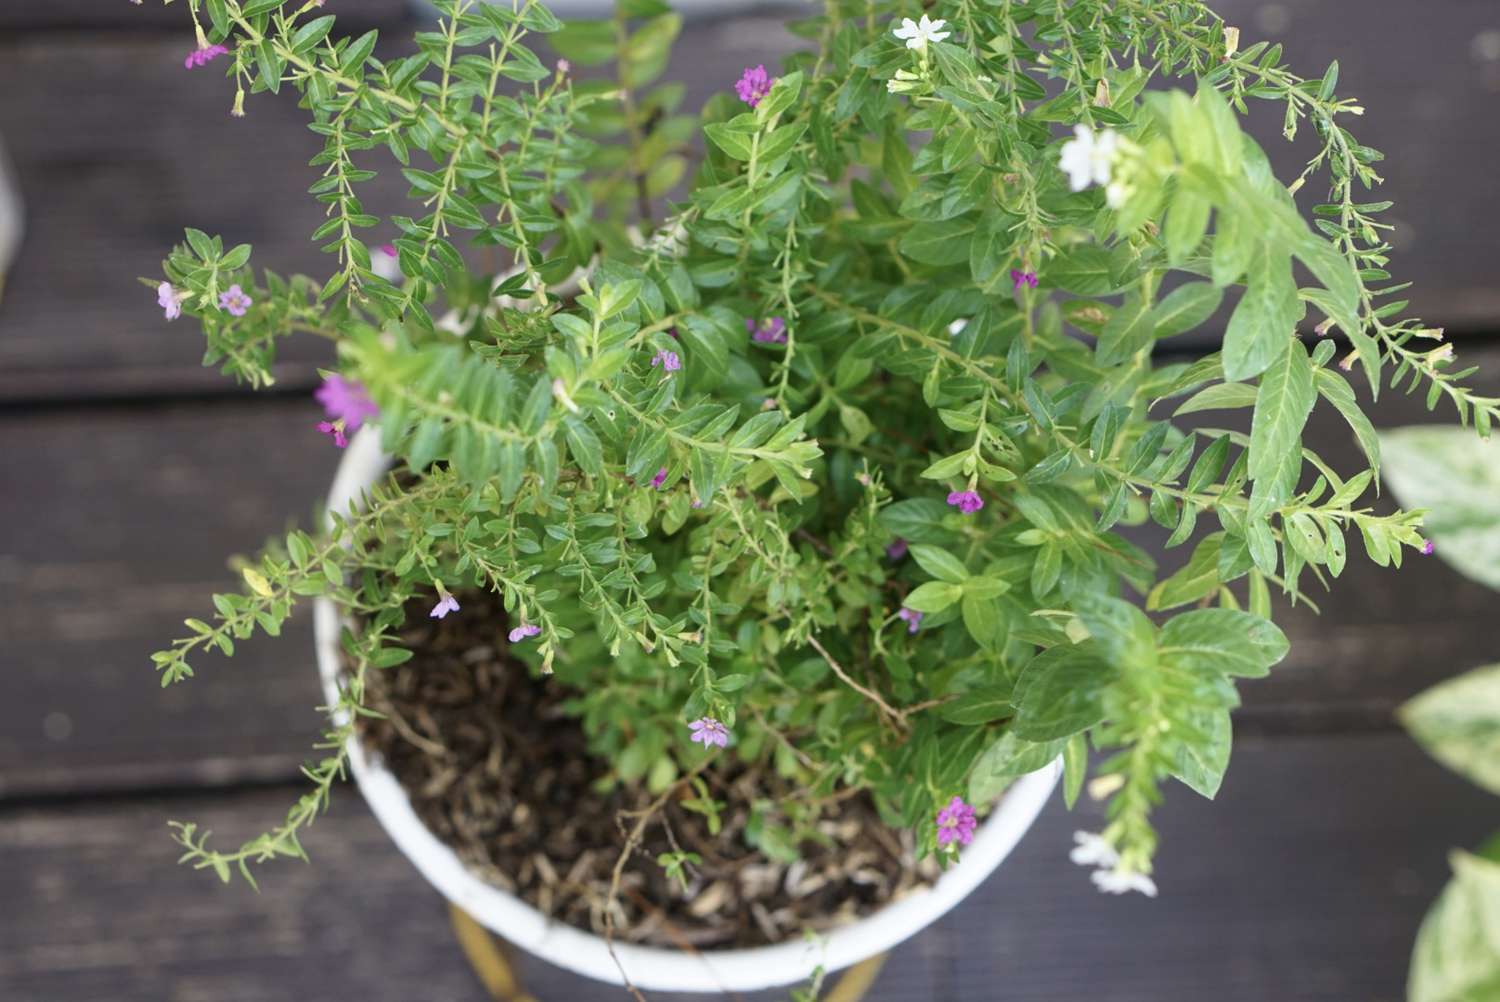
1456	474
1084	269
312	33
1220	396
1061	692
1282	405
1130	329
1458	723
1006	759
732	139
1197	578
939	563
1199	760
940	243
934	596
980	706
1263	322
1223	642
1336	390
1457	954
1185	308
1125	635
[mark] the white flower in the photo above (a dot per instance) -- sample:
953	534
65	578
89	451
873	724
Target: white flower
1093	850
902	82
1089	158
918	33
1118	882
1116	194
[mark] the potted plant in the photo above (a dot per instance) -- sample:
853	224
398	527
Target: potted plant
773	540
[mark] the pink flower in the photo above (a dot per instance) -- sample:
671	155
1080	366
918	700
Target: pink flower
770	331
523	631
446	604
913	619
708	731
336	429
967	502
203	56
896	550
1428	546
234	300
956	823
345	400
668	361
389	250
753	85
563	66
1021	278
660	478
166	298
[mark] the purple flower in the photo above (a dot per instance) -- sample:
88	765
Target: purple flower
1021	278
956	823
708	731
234	300
523	631
697	503
200	57
336	429
967	502
563	66
446	604
896	550
1428	546
166	298
668	360
660	478
753	85
770	331
913	619
389	250
346	402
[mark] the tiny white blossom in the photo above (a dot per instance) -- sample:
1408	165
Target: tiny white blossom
1089	158
1116	882
917	34
1093	850
1116	194
902	82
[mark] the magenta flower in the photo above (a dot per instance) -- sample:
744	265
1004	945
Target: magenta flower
660	478
336	429
446	604
956	823
1428	546
345	400
913	619
967	502
708	731
769	331
668	360
896	550
753	85
1021	278
234	300
523	631
166	298
203	56
389	250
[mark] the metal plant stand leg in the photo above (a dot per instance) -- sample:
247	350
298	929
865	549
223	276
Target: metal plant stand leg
491	959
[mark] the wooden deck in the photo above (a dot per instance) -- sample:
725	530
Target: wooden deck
131	472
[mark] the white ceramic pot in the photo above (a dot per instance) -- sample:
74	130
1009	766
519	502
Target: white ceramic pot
649	967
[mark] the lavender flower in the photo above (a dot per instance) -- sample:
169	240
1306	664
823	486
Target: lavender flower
202	56
967	502
234	300
753	85
1020	278
896	550
913	619
956	823
668	360
446	604
336	429
708	731
523	631
167	299
1428	546
660	478
769	331
345	401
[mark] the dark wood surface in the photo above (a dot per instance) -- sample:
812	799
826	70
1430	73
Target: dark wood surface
131	473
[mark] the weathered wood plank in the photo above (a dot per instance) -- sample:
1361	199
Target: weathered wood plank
1303	883
130	512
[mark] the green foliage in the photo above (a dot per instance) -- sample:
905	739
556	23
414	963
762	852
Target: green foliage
710	540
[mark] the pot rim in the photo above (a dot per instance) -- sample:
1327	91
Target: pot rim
654	968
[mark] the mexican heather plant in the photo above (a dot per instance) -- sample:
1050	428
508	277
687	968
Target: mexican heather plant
822	469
